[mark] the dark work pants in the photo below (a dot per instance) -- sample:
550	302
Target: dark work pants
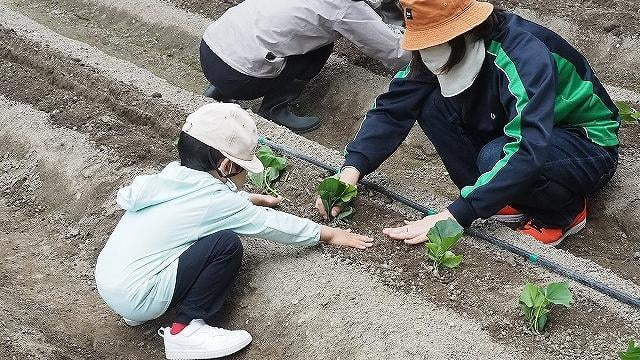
575	166
235	85
206	272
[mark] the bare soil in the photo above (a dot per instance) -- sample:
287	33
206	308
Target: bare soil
483	275
54	225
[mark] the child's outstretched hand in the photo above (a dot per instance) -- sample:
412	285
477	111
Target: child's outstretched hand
339	237
265	200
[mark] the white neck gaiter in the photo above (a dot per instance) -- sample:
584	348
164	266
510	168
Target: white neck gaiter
461	76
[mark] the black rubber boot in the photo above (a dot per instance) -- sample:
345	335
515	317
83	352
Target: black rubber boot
214	93
275	107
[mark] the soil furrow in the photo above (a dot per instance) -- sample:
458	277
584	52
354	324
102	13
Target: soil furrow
78	98
300	303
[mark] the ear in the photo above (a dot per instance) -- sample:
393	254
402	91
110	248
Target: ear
225	167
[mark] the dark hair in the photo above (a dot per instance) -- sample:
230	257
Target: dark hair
458	44
197	155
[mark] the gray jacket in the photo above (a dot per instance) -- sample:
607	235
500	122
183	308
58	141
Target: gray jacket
244	35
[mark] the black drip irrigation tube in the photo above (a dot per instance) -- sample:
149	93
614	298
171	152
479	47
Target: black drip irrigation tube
531	257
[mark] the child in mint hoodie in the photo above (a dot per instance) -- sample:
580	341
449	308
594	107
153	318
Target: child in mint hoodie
177	244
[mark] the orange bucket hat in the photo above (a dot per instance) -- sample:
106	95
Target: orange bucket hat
434	22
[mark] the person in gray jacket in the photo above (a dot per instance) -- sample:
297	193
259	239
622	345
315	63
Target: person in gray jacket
272	48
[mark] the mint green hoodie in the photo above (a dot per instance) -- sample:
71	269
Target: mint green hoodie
165	214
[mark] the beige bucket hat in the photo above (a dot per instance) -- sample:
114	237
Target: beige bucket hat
229	129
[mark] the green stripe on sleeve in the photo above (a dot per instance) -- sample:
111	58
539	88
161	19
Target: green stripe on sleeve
577	105
513	127
403	73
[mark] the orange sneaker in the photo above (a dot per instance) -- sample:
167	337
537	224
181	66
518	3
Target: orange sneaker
554	236
509	215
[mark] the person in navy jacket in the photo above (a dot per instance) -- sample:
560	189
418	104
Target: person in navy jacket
521	122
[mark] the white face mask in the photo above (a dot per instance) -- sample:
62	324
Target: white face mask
461	76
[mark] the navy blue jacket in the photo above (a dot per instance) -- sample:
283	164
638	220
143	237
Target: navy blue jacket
531	80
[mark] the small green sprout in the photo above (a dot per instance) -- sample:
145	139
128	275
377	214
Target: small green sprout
443	236
334	192
632	353
535	300
627	113
273	166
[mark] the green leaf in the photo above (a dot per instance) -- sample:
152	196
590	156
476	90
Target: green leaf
624	108
528	311
446	232
329	187
632	353
530	294
541	322
349	193
433	251
346	212
540	300
257	179
334	192
559	293
270	174
273	165
627	113
451	260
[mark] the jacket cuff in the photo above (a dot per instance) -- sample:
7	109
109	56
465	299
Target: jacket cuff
463	212
357	161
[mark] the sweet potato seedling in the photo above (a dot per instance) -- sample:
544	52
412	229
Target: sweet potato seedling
535	301
334	192
632	353
442	237
273	166
627	113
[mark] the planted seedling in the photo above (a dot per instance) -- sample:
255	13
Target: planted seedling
273	166
334	192
627	113
442	237
632	353
535	301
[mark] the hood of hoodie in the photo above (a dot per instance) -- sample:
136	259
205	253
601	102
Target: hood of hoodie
173	182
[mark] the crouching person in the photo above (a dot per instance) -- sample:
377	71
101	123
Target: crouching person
177	244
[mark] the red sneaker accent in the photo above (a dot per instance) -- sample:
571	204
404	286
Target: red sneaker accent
509	215
554	236
177	327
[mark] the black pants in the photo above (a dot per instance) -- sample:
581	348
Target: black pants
238	86
206	272
575	166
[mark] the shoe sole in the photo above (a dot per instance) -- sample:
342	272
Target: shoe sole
133	323
296	131
193	355
509	219
306	130
572	231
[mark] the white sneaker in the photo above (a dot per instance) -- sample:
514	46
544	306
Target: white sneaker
201	341
133	323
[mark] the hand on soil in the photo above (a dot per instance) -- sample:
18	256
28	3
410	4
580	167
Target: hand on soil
339	237
415	232
265	200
